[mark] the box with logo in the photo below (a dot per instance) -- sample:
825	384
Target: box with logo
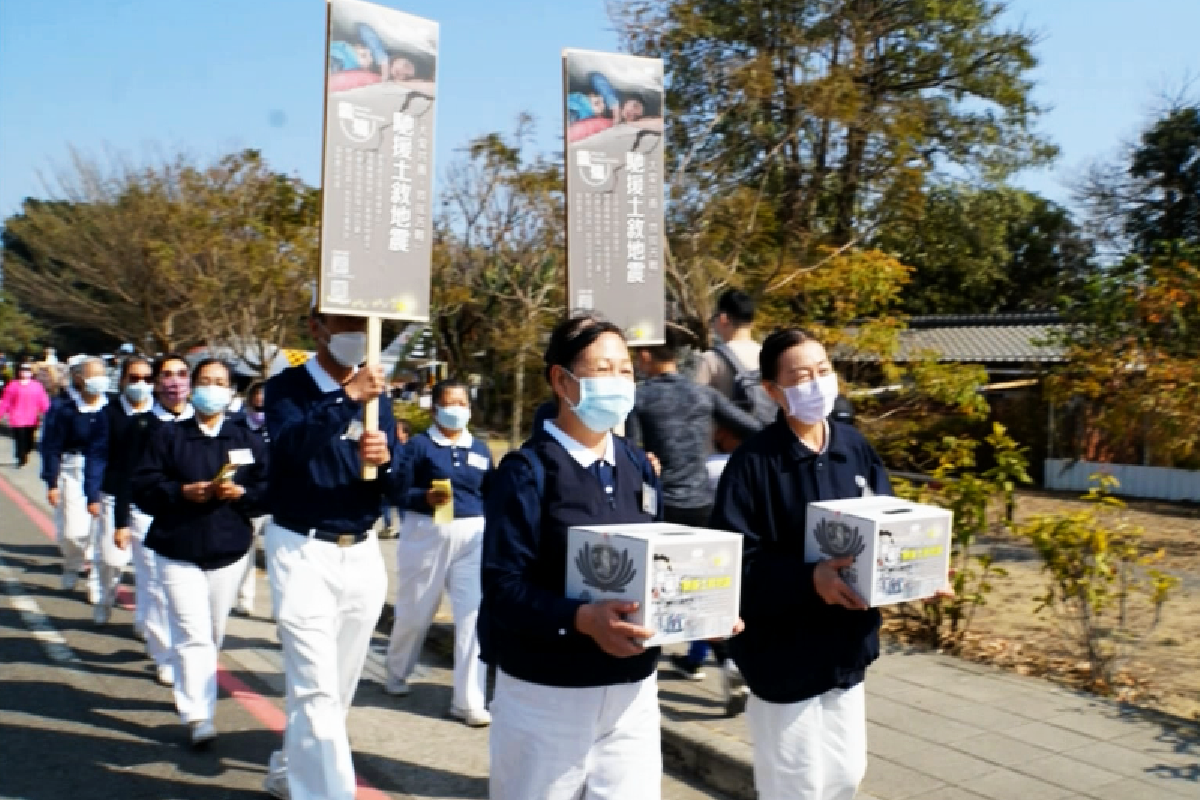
901	549
688	581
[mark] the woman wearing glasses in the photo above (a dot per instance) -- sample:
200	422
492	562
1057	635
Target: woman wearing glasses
203	480
129	417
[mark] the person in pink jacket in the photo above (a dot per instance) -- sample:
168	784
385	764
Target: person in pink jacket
24	403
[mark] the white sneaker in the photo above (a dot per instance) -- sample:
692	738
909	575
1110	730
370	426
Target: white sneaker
69	581
165	675
101	614
93	594
244	609
474	718
733	689
203	732
276	785
397	688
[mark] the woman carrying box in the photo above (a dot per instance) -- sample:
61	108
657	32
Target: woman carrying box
575	714
809	638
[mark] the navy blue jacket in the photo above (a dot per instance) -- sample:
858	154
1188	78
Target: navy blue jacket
526	623
469	477
315	472
69	430
213	534
128	435
795	645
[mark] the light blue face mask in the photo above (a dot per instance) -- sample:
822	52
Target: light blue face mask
211	399
138	392
96	385
452	418
605	402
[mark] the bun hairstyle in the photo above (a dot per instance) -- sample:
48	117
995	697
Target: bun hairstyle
574	335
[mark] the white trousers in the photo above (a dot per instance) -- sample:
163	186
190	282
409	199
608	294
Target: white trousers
247	589
108	561
430	558
150	613
198	605
813	750
328	599
75	527
551	743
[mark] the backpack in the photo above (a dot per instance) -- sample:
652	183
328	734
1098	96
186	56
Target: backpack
748	392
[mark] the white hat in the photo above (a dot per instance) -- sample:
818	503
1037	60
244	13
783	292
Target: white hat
76	360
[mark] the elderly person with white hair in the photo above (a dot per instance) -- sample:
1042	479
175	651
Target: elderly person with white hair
74	454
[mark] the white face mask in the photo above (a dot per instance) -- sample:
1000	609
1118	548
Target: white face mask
96	385
812	401
348	349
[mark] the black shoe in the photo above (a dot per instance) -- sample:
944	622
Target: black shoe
688	669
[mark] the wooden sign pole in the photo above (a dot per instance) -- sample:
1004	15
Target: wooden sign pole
371	409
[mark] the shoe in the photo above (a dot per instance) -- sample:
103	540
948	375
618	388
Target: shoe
203	732
276	785
165	675
69	581
94	595
688	669
397	688
244	610
733	689
101	614
139	633
474	718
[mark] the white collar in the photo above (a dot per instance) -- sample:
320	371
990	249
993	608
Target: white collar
84	406
582	454
465	439
323	379
130	410
163	414
213	431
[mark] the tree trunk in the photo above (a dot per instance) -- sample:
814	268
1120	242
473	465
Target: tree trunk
514	438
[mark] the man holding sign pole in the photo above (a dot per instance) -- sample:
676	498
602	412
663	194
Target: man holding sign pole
328	578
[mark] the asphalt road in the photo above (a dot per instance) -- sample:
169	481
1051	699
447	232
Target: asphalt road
81	716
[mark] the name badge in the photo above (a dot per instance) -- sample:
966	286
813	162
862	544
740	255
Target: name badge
649	500
355	430
241	458
477	461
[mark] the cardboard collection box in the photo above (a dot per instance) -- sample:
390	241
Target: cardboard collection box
901	548
687	580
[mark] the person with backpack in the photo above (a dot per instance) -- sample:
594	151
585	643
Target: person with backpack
731	367
575	713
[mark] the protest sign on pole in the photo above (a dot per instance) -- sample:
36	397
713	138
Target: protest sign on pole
613	119
377	174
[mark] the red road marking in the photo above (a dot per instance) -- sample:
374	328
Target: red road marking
262	709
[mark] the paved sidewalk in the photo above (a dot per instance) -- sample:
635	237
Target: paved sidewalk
939	728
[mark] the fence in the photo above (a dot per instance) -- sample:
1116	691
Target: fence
1157	483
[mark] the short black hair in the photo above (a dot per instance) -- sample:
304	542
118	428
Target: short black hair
128	363
574	335
207	362
255	388
776	345
737	305
668	351
161	362
441	387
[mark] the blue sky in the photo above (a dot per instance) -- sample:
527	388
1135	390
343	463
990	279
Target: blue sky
211	76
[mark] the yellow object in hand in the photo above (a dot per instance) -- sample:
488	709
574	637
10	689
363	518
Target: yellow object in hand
443	513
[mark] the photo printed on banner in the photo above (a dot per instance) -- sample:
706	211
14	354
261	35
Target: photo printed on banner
614	164
377	221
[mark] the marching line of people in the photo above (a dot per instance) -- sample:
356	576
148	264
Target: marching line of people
165	476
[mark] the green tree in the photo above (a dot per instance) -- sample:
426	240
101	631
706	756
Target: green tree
1150	193
818	122
19	333
499	279
989	251
185	253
